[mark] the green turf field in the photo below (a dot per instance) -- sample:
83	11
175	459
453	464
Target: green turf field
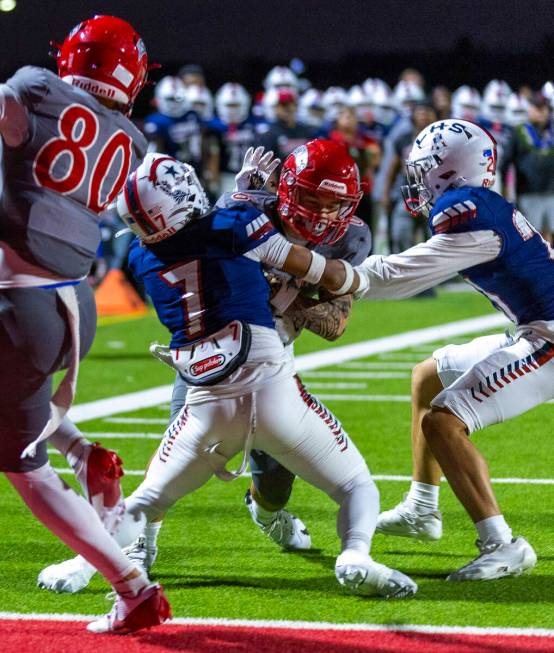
215	563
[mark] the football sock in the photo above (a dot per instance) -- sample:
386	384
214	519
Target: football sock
262	515
72	519
494	530
131	587
422	497
69	441
151	532
358	512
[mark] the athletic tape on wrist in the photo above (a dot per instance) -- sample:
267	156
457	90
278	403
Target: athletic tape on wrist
316	269
349	270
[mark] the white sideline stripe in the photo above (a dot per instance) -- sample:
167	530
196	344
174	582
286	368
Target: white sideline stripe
124	436
376	477
155	396
303	625
355	375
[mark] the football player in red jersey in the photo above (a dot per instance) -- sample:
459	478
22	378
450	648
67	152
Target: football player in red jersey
68	148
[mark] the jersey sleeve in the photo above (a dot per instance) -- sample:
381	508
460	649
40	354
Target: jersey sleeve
250	228
462	210
30	84
357	243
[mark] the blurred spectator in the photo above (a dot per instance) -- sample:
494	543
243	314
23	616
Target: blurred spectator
442	99
364	150
412	75
286	133
192	75
403	225
531	150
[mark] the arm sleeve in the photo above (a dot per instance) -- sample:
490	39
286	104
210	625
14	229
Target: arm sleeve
14	119
272	253
427	264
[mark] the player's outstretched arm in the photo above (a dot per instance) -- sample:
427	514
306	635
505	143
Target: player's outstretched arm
335	275
327	316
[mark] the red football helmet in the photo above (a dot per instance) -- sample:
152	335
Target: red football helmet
327	171
106	57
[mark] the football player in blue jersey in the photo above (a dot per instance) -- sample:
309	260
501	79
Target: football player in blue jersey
203	271
67	148
464	388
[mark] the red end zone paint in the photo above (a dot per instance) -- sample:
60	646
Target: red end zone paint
30	636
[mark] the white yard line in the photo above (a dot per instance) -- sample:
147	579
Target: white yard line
304	625
339	374
377	365
336	386
155	396
135	420
376	477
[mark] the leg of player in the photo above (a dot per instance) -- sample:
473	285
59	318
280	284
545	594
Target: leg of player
311	442
506	383
139	603
266	499
417	516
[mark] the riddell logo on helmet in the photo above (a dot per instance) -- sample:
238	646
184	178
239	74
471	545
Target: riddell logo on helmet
335	186
94	88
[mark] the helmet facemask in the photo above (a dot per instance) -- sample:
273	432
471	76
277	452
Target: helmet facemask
418	196
299	210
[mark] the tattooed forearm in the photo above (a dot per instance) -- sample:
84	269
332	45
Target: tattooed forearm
327	319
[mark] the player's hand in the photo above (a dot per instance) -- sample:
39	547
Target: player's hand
256	169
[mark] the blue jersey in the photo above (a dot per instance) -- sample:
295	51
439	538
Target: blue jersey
520	280
199	280
181	137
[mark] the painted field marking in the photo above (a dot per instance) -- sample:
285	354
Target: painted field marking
135	420
334	356
339	374
376	477
303	625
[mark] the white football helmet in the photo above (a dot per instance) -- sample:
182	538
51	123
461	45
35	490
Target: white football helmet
310	108
382	105
281	77
232	103
200	100
466	102
516	110
548	91
405	95
334	99
170	98
495	99
360	102
447	154
160	197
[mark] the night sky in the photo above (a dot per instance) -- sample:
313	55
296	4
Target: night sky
231	36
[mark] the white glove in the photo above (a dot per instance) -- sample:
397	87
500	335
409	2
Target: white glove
257	168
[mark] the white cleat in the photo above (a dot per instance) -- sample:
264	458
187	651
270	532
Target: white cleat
149	608
362	575
403	521
497	561
286	530
70	576
142	555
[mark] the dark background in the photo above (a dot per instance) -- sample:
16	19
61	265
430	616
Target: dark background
342	42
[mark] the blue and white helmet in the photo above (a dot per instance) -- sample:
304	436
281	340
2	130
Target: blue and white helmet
495	100
161	197
170	98
448	154
466	103
232	103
